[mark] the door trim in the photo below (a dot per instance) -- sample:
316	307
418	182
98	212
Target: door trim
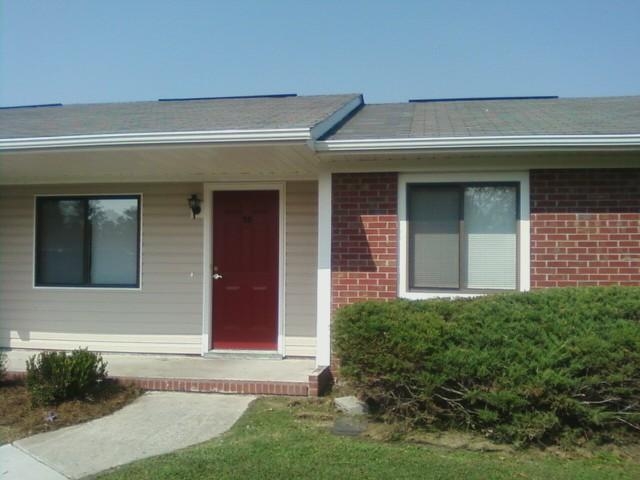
207	267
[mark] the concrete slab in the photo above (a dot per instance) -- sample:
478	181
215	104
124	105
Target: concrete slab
351	405
192	367
156	423
17	465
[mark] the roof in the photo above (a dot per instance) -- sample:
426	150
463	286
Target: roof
332	123
493	118
242	114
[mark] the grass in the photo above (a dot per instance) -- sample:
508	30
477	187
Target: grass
284	438
19	419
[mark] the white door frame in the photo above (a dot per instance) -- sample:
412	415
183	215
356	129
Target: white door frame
207	212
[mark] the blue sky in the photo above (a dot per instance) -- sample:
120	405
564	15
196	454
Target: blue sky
78	51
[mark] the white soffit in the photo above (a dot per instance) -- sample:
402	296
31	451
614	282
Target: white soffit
156	163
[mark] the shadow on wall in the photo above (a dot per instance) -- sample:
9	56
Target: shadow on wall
24	335
106	323
351	251
5	335
593	191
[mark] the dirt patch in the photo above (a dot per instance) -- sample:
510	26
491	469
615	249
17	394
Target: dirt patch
19	419
452	440
320	413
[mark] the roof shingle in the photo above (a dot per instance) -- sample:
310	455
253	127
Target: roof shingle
179	116
565	116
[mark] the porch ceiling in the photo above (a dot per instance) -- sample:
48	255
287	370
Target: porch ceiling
174	163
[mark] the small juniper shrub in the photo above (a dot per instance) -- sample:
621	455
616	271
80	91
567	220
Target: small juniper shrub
54	377
552	366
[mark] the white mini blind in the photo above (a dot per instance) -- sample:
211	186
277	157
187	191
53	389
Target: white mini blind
490	237
434	237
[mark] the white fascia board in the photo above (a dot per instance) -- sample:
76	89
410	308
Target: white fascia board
154	138
321	128
452	143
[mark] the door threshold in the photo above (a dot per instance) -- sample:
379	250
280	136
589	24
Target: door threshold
244	354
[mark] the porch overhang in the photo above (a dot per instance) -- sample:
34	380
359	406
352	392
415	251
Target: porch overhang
146	154
174	162
487	158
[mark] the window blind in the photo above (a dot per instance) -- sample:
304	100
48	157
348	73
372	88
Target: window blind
434	237
490	237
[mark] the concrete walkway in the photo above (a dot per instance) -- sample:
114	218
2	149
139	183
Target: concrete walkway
156	423
16	465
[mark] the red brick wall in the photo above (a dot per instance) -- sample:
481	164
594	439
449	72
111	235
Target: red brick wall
364	246
585	227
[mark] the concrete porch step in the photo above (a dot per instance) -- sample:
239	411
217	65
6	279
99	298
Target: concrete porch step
313	387
175	373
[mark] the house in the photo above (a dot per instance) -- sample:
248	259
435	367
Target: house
240	224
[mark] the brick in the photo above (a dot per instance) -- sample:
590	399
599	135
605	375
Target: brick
364	251
586	222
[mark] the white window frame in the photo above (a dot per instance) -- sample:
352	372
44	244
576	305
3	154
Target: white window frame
523	267
88	288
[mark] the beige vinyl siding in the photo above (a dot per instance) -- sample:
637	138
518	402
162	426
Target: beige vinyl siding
164	316
302	253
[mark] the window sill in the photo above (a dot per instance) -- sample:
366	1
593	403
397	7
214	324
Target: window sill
429	294
90	289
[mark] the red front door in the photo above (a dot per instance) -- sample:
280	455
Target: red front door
245	270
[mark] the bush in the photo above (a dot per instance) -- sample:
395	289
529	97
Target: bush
53	377
539	367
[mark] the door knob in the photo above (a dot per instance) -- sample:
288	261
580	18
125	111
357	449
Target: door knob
216	276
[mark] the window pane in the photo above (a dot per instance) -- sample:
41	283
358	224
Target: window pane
490	237
114	241
434	227
60	242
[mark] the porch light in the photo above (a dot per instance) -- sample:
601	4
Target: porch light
194	204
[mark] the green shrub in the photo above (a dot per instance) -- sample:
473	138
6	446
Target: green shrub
544	366
53	377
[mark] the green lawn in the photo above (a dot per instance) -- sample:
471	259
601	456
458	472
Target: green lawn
281	439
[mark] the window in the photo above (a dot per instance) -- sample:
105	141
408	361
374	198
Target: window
462	236
88	241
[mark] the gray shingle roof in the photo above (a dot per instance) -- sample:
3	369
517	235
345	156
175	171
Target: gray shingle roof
565	116
181	116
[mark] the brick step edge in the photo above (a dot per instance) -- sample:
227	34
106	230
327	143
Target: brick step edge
296	389
319	382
